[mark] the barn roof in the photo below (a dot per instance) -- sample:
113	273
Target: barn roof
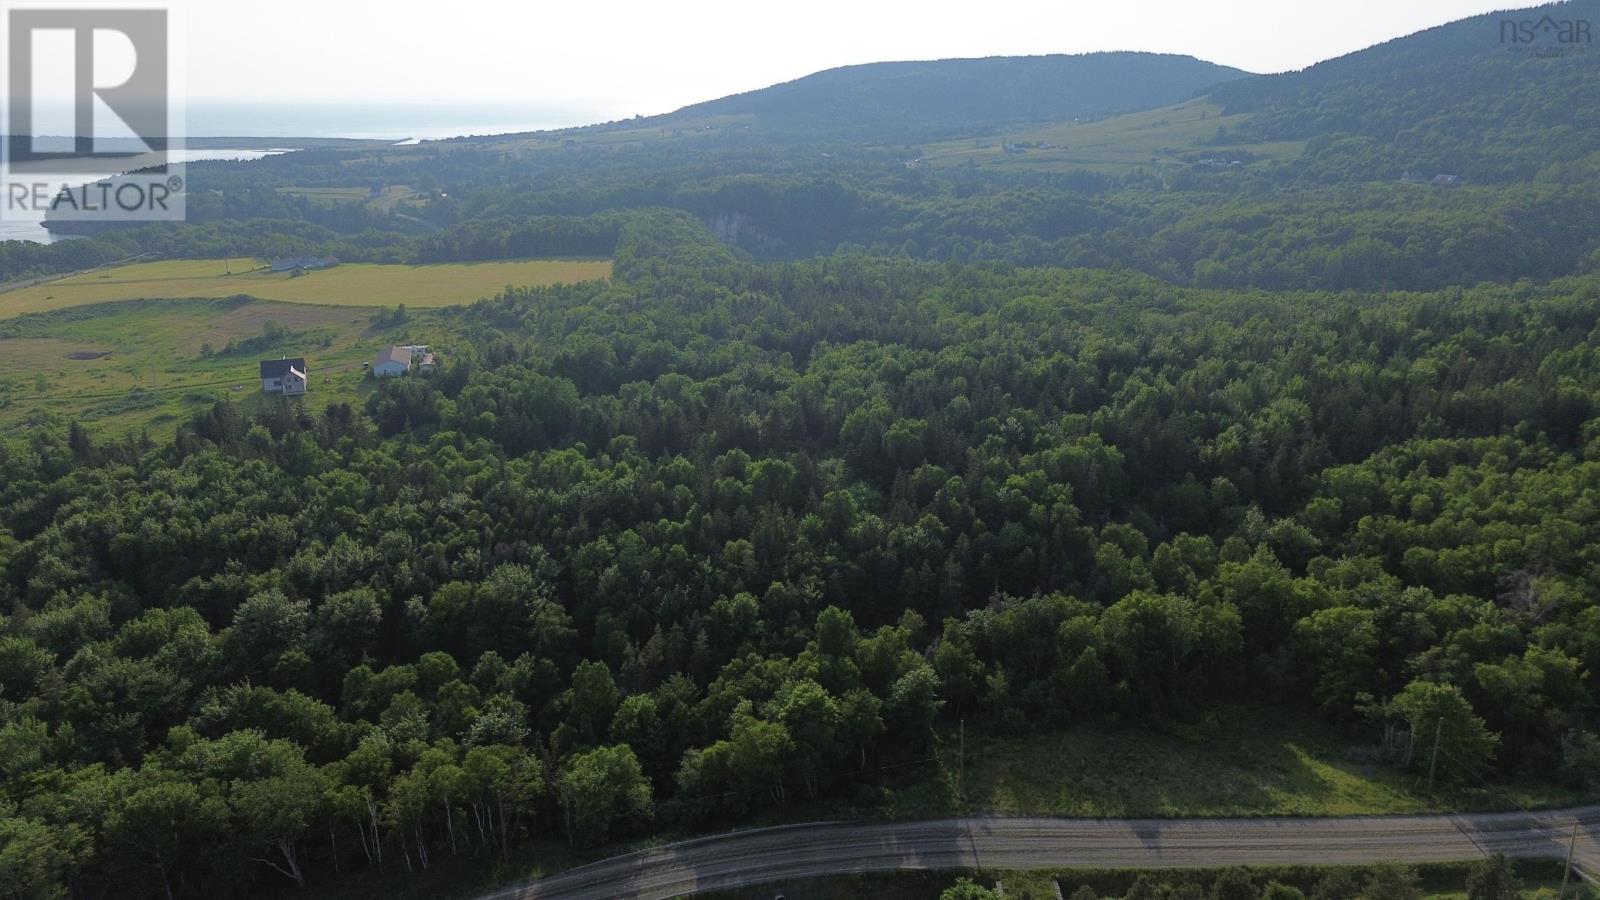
398	355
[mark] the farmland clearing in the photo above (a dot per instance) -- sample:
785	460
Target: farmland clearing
351	284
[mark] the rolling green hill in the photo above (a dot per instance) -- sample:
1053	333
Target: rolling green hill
1496	98
953	96
1499	97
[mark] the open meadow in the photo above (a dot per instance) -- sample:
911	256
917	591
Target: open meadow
152	363
1116	145
384	200
351	284
148	344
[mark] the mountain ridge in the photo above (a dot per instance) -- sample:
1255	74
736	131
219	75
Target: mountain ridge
969	93
1476	96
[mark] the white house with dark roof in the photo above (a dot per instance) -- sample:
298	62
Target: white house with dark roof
284	376
303	263
391	362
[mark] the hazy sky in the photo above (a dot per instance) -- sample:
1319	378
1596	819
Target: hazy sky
613	59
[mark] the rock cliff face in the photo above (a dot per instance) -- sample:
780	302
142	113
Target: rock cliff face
741	230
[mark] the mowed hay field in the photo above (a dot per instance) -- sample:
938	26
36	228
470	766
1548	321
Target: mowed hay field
351	284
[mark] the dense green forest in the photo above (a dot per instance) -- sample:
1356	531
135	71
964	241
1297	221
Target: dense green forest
1347	236
719	536
849	449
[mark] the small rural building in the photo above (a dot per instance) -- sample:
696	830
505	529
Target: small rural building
391	362
284	376
428	362
1447	180
304	263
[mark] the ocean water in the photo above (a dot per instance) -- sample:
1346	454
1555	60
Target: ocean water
398	122
27	224
375	121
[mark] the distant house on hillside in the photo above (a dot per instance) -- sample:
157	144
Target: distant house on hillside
304	263
391	362
428	363
284	376
1446	180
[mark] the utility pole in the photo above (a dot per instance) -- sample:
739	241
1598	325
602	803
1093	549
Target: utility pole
1566	871
1433	766
961	771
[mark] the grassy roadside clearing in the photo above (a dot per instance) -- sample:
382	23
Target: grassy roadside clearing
1438	881
1238	761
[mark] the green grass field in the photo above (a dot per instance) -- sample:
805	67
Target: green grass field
1148	139
1439	881
385	201
1241	761
126	365
353	284
329	194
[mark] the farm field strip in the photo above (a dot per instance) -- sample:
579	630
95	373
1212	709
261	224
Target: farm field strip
351	284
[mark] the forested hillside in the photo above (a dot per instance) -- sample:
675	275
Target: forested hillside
1504	118
717	537
1210	233
1493	98
893	100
